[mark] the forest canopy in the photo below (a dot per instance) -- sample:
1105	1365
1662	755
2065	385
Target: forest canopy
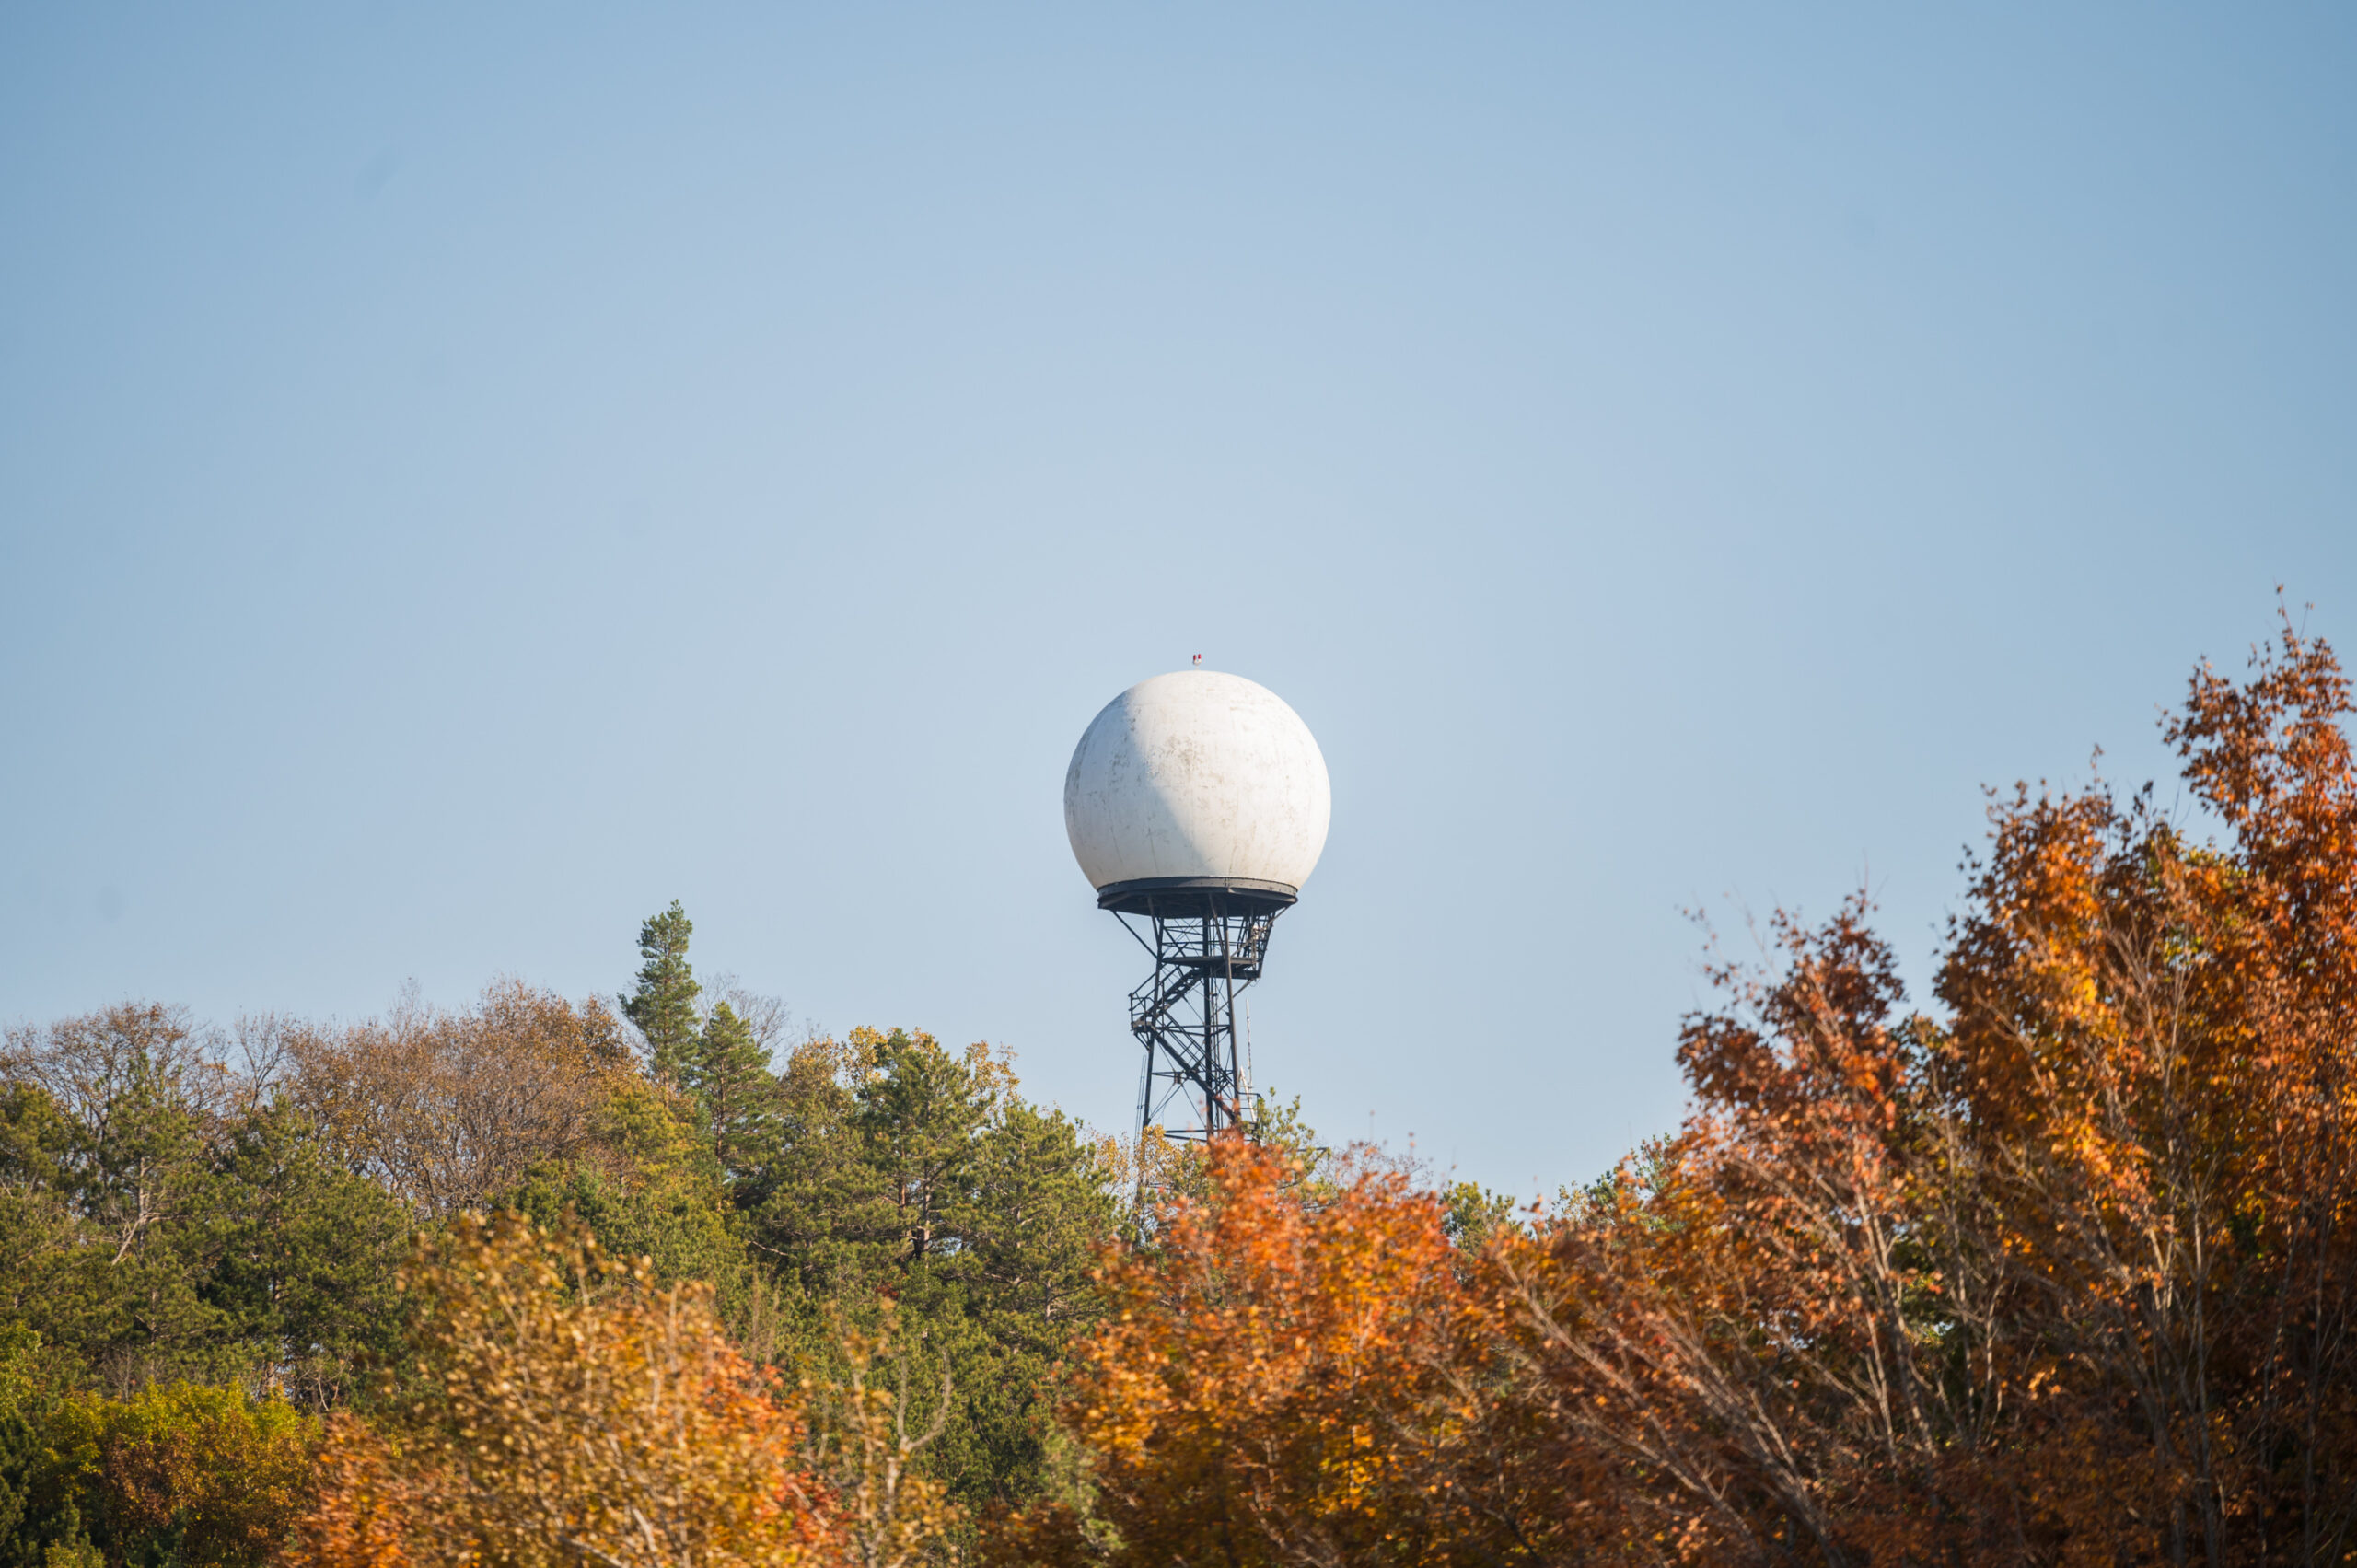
2054	1265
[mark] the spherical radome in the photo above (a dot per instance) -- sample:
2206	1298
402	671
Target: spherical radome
1197	774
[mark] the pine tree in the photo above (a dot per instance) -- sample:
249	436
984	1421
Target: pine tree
731	1080
664	1006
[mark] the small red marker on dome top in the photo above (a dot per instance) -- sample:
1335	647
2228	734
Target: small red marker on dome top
1199	659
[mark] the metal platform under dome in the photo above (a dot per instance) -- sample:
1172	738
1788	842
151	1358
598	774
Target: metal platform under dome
1177	893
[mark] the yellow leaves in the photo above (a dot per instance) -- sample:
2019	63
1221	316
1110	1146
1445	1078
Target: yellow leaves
591	1418
227	1471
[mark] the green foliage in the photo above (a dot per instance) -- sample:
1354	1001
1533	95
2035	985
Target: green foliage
182	1236
41	1278
132	1177
27	1396
912	1174
655	1194
183	1474
299	1257
730	1078
1472	1214
1281	1127
664	1005
153	1224
717	1060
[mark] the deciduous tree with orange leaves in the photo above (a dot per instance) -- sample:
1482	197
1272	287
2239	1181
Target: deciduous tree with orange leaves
1263	1388
557	1408
2065	1275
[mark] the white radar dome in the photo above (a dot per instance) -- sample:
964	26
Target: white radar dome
1197	778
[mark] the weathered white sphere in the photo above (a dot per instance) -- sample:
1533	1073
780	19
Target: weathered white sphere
1197	774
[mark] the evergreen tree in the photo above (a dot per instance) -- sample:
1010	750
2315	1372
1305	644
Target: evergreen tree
731	1080
664	1006
303	1256
116	1122
917	1175
654	1192
152	1226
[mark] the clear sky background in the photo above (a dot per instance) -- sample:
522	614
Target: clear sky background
469	477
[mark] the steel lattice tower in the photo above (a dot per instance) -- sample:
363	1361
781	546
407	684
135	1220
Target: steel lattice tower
1209	939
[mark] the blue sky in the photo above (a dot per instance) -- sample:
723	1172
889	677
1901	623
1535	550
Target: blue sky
469	476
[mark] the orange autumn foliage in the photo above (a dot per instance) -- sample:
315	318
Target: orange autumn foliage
560	1408
1262	1388
1767	1341
2064	1274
